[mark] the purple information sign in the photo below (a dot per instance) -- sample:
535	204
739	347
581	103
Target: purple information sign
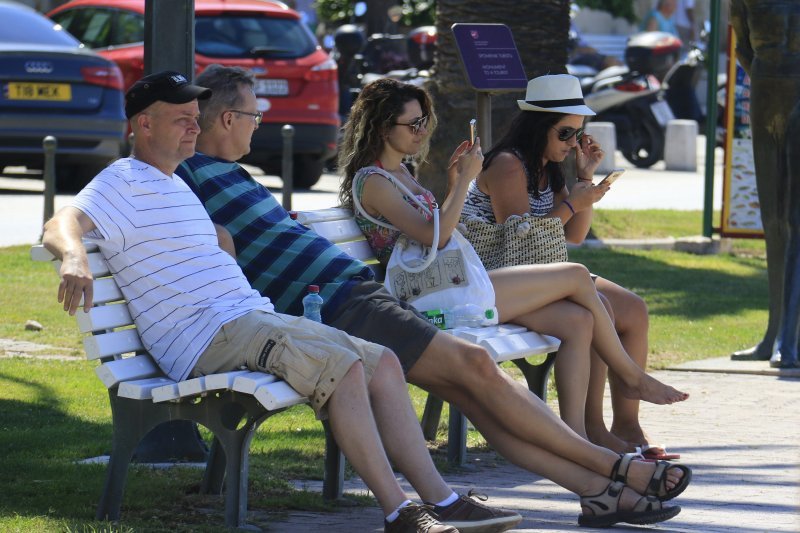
490	57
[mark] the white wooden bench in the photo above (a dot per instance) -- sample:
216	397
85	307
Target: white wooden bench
506	342
231	405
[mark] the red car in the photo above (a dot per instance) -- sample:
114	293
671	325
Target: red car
296	80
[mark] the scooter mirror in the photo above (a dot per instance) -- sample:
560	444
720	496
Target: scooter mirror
360	8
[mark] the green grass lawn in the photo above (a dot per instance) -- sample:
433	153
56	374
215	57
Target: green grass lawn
55	412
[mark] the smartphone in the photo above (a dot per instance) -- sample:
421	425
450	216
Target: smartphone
472	125
612	176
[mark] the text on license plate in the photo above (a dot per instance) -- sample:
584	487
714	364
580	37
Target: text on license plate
272	87
61	92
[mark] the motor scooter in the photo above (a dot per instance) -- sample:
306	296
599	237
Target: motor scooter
632	97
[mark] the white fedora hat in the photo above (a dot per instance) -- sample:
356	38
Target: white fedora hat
555	93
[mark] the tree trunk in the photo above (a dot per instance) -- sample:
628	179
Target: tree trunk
377	19
540	29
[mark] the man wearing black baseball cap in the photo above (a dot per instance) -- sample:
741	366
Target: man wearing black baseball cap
166	86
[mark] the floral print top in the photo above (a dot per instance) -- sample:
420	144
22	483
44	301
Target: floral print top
380	239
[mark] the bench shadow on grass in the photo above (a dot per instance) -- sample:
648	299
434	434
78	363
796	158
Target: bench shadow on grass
40	477
38	473
683	292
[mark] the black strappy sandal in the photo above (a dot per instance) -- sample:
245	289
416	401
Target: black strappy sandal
602	510
658	481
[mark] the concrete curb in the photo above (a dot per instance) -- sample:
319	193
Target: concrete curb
694	245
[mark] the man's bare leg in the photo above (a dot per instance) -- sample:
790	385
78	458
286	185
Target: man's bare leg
354	428
401	432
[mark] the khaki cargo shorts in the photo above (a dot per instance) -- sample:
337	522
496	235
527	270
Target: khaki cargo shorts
309	356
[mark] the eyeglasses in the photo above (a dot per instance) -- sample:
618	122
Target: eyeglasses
256	116
566	134
415	125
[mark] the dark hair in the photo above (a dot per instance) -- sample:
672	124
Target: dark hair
373	114
527	138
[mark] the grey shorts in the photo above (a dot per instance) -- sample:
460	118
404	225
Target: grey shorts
372	313
309	356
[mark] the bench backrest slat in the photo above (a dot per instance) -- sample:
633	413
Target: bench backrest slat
104	317
112	344
127	369
105	290
339	231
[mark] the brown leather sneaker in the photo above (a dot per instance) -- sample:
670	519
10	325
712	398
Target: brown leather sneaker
471	516
417	519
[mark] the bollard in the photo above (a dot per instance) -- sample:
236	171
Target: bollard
605	134
288	168
680	146
49	144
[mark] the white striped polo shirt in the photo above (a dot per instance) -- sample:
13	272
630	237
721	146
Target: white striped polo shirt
163	252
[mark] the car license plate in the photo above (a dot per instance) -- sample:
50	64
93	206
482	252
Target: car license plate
272	87
60	92
662	112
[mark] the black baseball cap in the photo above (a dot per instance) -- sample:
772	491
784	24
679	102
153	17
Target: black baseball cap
166	86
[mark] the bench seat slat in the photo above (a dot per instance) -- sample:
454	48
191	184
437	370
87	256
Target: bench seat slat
128	369
278	395
509	347
224	380
141	389
248	383
113	343
478	334
168	391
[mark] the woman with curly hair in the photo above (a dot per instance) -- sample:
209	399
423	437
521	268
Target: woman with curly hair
391	120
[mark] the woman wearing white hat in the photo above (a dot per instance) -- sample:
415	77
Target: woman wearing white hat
522	174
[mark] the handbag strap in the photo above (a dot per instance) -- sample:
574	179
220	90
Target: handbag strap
430	255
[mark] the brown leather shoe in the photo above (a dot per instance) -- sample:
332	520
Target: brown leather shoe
417	519
471	516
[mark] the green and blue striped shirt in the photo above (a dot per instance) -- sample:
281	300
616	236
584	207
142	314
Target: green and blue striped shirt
279	256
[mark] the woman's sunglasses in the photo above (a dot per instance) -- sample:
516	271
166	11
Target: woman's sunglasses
566	134
415	125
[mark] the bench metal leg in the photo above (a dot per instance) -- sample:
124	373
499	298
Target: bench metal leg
132	420
537	375
228	466
214	476
431	416
333	482
457	437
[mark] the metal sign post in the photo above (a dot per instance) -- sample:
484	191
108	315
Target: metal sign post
492	65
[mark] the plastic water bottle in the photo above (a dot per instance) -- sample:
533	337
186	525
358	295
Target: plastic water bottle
312	304
466	316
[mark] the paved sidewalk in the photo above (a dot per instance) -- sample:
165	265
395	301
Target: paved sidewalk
739	432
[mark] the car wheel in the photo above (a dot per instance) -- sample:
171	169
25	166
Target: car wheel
307	171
